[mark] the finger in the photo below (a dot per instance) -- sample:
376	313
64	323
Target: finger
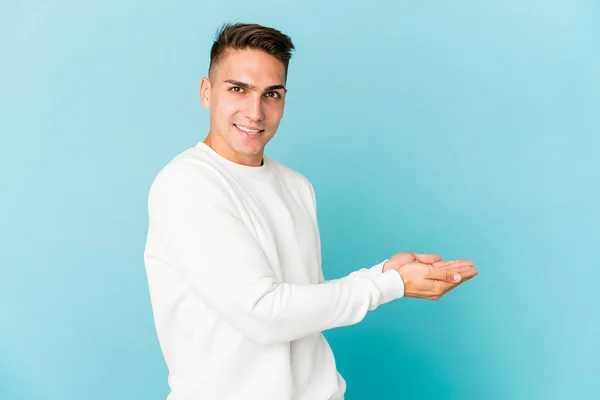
445	287
465	269
466	275
443	275
444	263
441	264
458	267
428	258
465	272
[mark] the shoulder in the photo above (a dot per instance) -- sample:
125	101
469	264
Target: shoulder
189	174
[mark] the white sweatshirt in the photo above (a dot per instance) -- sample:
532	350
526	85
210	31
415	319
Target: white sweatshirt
233	261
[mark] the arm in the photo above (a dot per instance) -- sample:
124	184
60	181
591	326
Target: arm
227	269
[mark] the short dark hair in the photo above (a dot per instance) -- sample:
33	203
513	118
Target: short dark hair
240	36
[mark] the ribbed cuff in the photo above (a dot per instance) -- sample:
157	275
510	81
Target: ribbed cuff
389	283
378	269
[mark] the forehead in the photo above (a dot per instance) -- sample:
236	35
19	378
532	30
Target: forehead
251	66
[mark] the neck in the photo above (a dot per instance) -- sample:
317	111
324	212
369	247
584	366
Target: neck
221	148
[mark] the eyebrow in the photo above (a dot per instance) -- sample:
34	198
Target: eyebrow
247	86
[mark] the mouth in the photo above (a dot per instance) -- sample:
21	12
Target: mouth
248	130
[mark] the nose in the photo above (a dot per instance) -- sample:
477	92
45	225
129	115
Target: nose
254	108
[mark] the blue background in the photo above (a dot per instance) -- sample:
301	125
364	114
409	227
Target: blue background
467	128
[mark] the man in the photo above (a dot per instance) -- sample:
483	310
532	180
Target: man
233	253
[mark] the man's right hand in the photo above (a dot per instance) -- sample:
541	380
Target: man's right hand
431	281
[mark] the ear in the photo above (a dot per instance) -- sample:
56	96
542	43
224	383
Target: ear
205	92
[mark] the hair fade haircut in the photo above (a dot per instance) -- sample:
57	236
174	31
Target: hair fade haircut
239	36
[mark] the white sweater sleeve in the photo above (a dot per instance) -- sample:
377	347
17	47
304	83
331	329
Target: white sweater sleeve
227	269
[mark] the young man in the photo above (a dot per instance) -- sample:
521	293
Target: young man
233	252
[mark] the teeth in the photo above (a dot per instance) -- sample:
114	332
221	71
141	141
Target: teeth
254	131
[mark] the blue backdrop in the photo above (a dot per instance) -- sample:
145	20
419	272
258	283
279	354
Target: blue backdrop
466	128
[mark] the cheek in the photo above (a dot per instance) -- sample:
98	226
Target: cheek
227	108
274	112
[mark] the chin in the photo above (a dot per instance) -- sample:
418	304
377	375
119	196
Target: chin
248	150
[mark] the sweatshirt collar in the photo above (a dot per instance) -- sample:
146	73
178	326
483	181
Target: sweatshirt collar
260	172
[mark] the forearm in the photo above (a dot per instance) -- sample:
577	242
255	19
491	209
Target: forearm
247	295
287	312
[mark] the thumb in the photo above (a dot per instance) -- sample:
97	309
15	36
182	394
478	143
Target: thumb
443	275
428	258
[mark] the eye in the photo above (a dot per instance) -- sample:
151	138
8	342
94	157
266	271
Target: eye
273	95
236	89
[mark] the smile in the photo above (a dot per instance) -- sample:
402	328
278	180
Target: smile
249	130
